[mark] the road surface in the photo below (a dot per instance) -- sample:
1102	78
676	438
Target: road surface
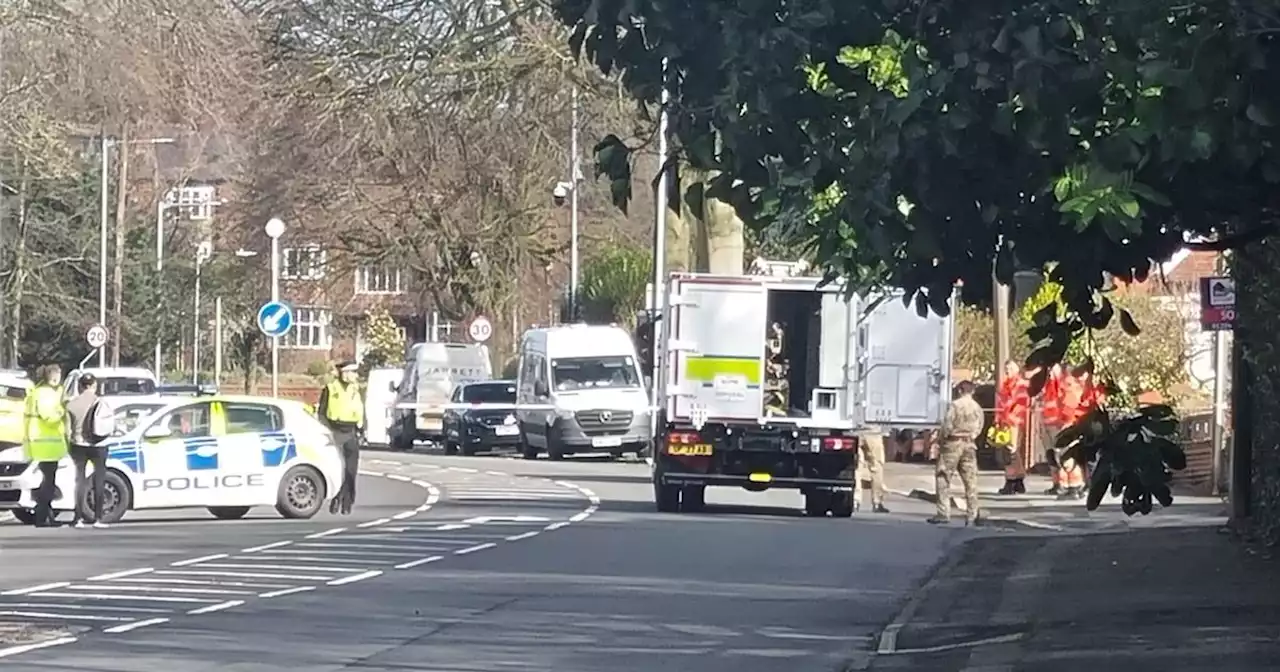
513	565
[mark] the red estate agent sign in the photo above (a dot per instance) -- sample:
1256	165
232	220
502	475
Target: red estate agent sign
1217	303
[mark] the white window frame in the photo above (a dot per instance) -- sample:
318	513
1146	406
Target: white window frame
292	257
195	202
392	280
312	329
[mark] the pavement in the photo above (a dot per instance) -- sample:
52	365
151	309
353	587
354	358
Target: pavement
1167	600
487	564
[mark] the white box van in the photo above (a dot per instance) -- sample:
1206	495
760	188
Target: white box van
590	376
431	371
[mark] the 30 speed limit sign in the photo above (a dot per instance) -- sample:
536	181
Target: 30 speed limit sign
97	336
480	329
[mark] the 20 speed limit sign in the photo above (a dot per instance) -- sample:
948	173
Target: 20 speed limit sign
97	336
480	329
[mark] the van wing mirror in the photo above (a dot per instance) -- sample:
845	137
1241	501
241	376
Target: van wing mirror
540	389
395	387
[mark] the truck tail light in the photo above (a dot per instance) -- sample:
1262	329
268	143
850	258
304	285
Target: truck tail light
683	438
839	443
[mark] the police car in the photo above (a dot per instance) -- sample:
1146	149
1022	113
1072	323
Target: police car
224	453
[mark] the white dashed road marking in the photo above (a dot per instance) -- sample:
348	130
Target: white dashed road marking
143	597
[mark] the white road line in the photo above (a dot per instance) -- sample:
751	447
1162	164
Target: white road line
117	629
473	549
255	549
217	607
286	591
134	598
23	648
512	497
402	541
449	526
420	561
497	473
70	617
249	575
37	589
400	477
405	514
555	526
94	607
326	533
410	549
194	582
374	523
362	472
196	561
465	470
121	575
305	558
156	589
421	484
301	568
356	554
355	577
524	535
579	517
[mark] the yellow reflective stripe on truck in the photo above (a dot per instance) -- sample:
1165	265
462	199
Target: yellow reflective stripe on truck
705	368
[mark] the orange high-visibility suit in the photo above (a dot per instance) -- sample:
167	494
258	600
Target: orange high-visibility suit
1070	476
1012	405
1051	424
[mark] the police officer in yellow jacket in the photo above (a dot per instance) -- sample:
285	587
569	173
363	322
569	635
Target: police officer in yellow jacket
44	438
342	409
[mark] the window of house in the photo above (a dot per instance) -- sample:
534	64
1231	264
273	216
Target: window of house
193	202
303	263
310	329
378	280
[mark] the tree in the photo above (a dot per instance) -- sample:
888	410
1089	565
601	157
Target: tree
385	338
613	284
922	144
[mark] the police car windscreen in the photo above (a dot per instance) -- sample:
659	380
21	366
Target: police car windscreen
110	387
128	417
489	393
580	373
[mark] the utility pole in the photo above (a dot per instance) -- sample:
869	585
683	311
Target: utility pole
102	245
659	247
1221	355
574	171
117	271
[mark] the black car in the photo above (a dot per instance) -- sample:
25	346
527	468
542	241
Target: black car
483	427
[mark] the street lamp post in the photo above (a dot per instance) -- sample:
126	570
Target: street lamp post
161	205
574	172
203	252
275	229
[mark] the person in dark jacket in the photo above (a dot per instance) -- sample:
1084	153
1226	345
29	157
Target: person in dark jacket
89	422
341	407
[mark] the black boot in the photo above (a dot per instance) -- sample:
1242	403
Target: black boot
1008	488
1019	486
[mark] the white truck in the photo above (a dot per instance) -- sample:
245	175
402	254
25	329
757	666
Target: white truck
852	365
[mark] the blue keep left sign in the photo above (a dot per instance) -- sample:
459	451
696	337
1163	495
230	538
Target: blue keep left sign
275	318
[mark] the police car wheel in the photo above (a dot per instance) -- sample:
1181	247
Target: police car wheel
229	512
119	499
302	493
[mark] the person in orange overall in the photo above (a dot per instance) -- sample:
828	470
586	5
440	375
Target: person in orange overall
1012	404
1073	408
1051	424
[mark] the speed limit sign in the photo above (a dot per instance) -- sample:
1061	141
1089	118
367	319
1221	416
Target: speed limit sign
97	336
480	329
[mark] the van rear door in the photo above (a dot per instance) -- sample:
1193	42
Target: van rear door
716	351
904	365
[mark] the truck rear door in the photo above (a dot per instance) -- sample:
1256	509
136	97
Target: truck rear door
904	365
716	351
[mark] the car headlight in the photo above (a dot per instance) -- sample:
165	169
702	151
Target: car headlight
564	414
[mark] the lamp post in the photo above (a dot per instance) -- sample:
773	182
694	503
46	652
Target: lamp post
168	202
275	229
203	252
574	177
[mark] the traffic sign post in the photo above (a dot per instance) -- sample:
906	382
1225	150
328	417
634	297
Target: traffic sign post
275	319
480	329
1217	303
96	337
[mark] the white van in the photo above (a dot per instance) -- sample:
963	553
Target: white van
591	377
380	404
431	372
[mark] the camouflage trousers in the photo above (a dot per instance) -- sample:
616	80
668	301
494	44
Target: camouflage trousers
957	458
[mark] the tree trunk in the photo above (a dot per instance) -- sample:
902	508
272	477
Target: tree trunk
722	230
117	271
19	267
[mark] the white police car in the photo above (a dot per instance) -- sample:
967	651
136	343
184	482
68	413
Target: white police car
225	453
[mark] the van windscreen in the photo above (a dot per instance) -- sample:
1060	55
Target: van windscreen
125	386
581	373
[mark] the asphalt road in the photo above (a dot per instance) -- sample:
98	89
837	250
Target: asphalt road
521	565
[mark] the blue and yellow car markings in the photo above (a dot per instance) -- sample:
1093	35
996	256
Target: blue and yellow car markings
202	453
278	448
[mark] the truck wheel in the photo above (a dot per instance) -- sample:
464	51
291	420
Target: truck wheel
667	497
24	516
555	450
816	503
693	498
450	448
842	504
469	449
302	493
229	512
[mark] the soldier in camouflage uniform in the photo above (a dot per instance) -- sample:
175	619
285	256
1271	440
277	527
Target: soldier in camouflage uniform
958	454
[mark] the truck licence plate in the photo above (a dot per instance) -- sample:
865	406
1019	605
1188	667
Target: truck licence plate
506	430
8	486
695	449
606	442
